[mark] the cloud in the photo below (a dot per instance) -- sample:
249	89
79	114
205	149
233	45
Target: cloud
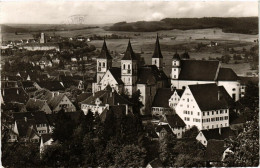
99	12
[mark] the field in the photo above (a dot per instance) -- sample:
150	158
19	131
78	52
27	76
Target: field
171	40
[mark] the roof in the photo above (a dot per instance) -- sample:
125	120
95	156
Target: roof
206	96
25	127
227	74
166	127
198	70
46	137
34	104
150	75
51	85
14	95
116	72
156	163
117	111
245	80
161	98
129	53
179	91
175	121
215	150
104	52
41	45
83	96
107	97
39	117
157	50
226	132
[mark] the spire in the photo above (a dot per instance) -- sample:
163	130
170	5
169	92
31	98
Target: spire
185	55
176	55
104	51
129	53
157	50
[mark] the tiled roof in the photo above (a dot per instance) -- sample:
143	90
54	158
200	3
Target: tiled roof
157	50
175	121
104	52
165	126
227	74
117	111
34	104
83	96
215	150
226	132
150	75
51	85
129	53
116	72
206	96
198	70
161	98
107	97
14	95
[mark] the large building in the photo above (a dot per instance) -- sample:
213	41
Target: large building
189	72
131	76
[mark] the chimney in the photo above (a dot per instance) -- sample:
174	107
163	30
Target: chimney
219	130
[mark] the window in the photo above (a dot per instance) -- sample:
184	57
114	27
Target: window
155	61
226	117
191	113
234	89
187	99
212	112
225	111
234	96
174	76
174	69
217	112
183	87
104	64
203	113
198	113
129	66
208	113
99	64
124	66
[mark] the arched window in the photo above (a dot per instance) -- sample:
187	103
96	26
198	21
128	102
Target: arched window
155	61
124	66
129	66
104	64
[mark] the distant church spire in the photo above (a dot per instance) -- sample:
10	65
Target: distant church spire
104	51
129	53
157	50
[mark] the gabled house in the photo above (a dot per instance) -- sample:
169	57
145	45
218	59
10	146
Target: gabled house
46	140
103	99
36	120
175	98
218	134
176	124
205	106
57	101
215	152
162	130
161	104
53	86
38	105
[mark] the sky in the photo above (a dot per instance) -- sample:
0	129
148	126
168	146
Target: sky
100	12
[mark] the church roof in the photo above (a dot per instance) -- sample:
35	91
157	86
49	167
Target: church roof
198	70
104	52
161	98
150	74
206	96
116	72
129	53
227	74
157	50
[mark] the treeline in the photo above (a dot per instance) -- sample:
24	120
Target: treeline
244	25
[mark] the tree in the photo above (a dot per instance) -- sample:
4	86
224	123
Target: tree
130	156
225	58
63	127
251	98
167	152
245	146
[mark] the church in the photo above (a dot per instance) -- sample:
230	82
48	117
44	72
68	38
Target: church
131	76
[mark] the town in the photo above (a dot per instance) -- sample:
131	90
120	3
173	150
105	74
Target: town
86	86
199	107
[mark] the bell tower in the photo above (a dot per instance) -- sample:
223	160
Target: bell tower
157	58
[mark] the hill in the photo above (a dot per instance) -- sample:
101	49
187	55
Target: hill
243	25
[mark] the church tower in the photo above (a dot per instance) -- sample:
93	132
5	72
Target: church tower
176	67
157	58
129	70
42	39
104	62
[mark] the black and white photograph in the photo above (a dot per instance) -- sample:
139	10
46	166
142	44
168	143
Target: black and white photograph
148	84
